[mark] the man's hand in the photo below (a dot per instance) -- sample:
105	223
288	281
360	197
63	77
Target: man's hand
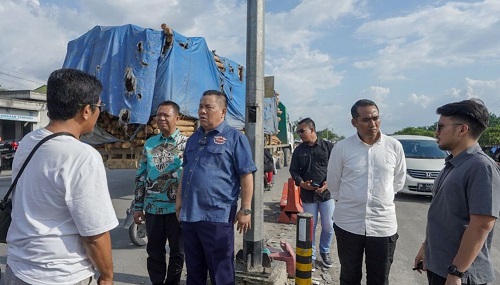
98	248
177	210
453	280
139	217
419	263
320	190
307	185
244	222
104	281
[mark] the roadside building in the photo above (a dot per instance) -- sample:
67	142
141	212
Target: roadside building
22	111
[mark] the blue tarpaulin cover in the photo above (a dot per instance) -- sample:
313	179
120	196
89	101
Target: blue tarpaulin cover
271	121
137	73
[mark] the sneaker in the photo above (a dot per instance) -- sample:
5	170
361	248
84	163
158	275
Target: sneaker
313	268
327	261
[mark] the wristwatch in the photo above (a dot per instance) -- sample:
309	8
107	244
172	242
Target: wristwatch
453	270
246	211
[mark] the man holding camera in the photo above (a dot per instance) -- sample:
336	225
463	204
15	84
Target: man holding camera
308	169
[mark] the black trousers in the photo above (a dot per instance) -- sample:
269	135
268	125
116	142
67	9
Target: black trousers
379	255
435	279
161	228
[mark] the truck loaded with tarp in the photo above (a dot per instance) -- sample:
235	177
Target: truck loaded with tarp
140	68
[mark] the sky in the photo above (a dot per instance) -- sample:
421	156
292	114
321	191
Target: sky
409	56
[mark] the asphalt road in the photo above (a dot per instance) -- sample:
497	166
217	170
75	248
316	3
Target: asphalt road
130	260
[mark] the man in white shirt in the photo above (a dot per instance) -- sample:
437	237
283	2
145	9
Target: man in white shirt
61	208
364	173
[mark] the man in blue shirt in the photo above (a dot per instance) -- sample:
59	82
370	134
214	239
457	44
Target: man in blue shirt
156	186
217	162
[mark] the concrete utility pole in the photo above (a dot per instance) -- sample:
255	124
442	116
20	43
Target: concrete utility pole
254	127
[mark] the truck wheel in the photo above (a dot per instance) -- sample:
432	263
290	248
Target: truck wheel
286	157
137	234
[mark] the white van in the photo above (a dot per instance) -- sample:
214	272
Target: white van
424	160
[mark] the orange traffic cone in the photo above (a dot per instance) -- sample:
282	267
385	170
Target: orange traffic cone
284	196
293	205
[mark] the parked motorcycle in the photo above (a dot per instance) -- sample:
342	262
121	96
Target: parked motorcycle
137	233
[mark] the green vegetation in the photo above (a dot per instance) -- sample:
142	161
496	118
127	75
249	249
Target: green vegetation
328	135
490	137
421	131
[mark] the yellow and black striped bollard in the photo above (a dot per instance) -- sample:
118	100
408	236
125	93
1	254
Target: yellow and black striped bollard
303	268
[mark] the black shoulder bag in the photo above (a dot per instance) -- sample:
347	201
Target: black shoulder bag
6	203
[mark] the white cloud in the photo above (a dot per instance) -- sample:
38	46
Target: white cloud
453	34
486	90
379	95
477	88
310	48
419	100
31	41
454	92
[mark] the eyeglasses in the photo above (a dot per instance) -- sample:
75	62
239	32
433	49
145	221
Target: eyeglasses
300	131
439	127
203	141
101	106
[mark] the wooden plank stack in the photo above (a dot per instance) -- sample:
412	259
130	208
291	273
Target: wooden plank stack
126	152
125	132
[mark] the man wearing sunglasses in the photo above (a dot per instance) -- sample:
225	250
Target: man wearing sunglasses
308	170
466	201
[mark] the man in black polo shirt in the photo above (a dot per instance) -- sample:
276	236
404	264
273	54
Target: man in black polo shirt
308	169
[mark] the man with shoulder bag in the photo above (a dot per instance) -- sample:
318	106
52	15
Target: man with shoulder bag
61	207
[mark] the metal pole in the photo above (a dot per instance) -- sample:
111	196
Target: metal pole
254	128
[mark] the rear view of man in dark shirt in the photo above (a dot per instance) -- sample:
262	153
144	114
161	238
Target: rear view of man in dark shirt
308	169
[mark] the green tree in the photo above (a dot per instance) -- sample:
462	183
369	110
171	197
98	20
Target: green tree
327	134
420	131
494	120
295	125
491	136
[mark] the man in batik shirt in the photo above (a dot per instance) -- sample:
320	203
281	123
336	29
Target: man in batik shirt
156	185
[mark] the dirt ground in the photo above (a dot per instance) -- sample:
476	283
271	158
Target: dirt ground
274	232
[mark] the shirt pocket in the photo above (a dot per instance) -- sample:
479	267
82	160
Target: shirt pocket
214	157
189	153
321	158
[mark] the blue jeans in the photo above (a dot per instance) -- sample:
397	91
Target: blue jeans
325	210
